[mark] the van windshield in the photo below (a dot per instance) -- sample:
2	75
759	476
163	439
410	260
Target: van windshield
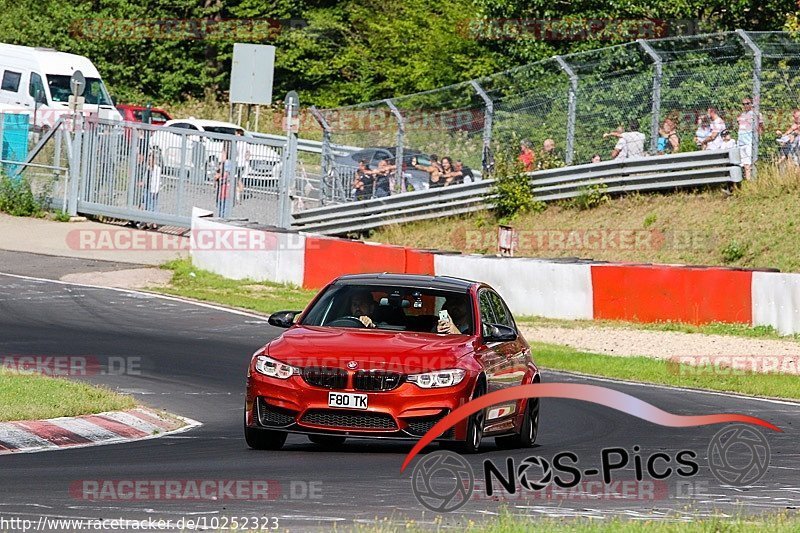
94	94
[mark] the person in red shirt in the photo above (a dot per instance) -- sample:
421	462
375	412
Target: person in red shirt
526	155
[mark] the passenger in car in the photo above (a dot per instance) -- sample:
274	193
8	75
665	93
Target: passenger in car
458	322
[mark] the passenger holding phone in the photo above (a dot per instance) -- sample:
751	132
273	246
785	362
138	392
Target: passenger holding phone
454	316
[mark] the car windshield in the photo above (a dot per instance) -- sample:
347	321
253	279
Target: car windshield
394	307
95	92
223	129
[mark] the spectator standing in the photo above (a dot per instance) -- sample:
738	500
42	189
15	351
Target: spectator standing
526	155
549	157
154	180
630	144
450	175
746	120
363	182
703	131
668	141
225	170
714	141
434	171
596	158
727	142
383	175
790	139
466	173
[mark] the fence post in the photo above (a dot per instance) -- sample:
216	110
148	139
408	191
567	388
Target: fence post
658	72
292	105
572	103
756	96
398	158
75	163
327	152
488	117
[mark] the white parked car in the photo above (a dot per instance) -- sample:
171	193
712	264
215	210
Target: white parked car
257	164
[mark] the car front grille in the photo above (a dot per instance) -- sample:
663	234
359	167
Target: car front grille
421	425
376	380
269	415
325	377
343	419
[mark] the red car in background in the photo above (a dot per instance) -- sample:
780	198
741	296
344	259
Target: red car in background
387	356
134	113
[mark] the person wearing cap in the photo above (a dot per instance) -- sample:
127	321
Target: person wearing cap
727	142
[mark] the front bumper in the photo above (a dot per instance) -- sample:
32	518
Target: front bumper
406	412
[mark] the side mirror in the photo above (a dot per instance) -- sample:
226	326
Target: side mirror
498	333
283	319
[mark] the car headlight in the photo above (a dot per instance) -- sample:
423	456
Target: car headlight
439	378
274	368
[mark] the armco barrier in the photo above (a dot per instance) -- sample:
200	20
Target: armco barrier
665	172
547	288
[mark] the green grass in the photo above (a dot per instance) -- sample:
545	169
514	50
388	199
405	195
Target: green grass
648	370
32	397
716	328
508	523
259	296
756	226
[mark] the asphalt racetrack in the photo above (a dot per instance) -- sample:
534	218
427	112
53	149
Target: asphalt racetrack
191	360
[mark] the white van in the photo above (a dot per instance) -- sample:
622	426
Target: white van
38	78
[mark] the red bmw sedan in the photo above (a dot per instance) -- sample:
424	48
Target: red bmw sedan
387	356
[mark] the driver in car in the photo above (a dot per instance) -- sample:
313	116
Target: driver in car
458	322
363	306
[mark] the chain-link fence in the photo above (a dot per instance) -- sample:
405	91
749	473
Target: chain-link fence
573	100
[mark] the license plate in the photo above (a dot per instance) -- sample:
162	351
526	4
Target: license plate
347	401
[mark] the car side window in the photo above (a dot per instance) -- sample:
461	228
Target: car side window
487	314
501	311
366	155
11	81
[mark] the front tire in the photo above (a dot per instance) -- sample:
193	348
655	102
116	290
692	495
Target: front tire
264	439
472	443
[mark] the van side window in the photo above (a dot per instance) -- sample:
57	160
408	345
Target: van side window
36	89
11	81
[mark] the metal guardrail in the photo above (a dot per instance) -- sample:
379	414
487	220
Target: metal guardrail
307	145
684	170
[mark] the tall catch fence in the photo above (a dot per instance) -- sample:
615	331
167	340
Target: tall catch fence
574	99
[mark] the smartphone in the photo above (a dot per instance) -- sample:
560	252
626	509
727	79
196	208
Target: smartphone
444	316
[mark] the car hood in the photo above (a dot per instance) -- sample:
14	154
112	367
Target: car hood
388	350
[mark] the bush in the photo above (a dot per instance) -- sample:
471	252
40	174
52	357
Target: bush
591	197
513	188
733	252
16	197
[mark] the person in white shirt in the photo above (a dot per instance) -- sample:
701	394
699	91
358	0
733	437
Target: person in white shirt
630	144
746	120
727	142
714	141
